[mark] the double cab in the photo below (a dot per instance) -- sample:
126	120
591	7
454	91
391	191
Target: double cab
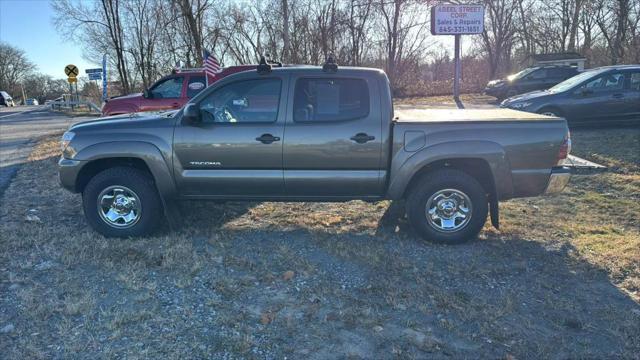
313	134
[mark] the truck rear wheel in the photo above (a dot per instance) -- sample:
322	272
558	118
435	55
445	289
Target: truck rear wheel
122	202
447	206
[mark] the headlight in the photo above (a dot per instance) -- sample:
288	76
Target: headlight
520	105
66	139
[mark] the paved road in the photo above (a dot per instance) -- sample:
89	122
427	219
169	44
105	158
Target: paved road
20	127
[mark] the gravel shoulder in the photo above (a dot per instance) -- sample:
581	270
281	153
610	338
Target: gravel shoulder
561	279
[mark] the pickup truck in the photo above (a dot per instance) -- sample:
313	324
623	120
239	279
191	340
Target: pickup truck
169	93
305	133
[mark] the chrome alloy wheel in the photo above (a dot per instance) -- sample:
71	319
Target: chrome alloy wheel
119	206
449	210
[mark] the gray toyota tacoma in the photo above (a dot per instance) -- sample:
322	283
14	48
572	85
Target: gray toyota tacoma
304	133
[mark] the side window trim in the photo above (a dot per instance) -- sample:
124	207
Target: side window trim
293	103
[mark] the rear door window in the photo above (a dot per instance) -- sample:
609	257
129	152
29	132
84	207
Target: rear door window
634	81
330	99
196	84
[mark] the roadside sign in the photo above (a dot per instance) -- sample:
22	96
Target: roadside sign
104	77
457	20
91	71
72	79
453	19
71	70
95	76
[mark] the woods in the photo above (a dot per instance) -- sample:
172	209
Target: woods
145	38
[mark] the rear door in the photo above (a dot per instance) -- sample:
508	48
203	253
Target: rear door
632	95
333	133
236	151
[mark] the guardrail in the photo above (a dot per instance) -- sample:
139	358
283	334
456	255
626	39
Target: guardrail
73	103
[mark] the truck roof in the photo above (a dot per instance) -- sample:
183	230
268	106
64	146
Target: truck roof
318	69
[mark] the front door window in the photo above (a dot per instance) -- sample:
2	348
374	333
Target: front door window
168	89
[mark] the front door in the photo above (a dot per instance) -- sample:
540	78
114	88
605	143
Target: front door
333	139
599	100
236	150
166	94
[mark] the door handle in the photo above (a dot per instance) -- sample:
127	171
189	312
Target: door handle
175	105
618	96
267	138
362	138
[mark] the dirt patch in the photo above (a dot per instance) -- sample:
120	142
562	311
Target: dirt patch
324	280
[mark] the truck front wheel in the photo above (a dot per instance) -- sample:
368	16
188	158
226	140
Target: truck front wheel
447	206
122	202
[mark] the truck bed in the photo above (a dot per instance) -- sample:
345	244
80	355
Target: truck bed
467	115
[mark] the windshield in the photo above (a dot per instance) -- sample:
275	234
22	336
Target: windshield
571	82
521	74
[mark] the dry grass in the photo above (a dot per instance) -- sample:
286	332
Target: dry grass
321	280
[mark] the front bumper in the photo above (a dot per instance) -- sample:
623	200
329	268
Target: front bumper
68	171
497	92
572	165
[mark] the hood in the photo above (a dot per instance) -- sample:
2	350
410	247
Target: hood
496	82
529	96
125	121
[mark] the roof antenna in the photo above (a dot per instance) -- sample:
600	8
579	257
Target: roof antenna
330	65
263	66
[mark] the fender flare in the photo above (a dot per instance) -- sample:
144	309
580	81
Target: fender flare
491	152
158	164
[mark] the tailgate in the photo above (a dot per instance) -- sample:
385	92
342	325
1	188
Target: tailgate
580	166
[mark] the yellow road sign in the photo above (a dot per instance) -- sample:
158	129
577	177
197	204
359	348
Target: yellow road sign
72	79
71	70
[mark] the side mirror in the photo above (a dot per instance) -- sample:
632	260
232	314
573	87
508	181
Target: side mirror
191	113
146	94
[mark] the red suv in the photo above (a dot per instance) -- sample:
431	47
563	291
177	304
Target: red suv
170	92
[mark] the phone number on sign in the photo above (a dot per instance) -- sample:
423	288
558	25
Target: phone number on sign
459	29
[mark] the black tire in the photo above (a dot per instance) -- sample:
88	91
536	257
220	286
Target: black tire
551	111
141	184
436	182
511	93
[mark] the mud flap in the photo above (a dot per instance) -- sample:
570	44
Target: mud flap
495	213
172	214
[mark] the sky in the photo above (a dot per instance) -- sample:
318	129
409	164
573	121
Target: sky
28	25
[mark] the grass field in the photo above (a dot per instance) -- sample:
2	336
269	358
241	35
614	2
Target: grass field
561	279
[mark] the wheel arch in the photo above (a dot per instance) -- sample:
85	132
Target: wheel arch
141	155
486	161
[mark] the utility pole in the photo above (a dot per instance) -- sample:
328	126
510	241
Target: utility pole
285	33
24	97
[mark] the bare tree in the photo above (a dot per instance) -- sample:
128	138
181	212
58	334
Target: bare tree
499	32
15	67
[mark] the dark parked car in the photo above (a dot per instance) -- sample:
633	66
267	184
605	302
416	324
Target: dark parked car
602	96
6	99
529	79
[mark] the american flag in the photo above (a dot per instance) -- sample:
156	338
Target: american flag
211	65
